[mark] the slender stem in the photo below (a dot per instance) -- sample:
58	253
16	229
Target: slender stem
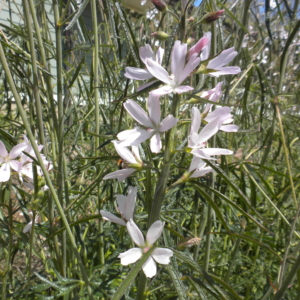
288	280
212	181
43	167
60	129
163	179
36	92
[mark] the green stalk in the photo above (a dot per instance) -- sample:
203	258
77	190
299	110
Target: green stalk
212	182
97	121
163	179
286	155
60	129
43	167
288	280
10	243
30	252
41	48
36	91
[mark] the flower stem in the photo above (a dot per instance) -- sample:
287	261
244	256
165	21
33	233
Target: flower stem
163	179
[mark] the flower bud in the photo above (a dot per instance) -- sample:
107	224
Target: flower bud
160	5
190	41
160	35
211	17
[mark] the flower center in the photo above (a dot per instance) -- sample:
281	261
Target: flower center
201	145
146	249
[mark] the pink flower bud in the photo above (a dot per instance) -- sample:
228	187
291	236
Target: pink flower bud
211	17
160	5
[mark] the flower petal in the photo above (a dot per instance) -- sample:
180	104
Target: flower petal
195	125
178	59
28	227
205	51
167	123
138	113
135	233
209	130
201	172
17	150
183	88
126	203
164	90
3	151
155	143
158	71
130	256
124	153
198	46
137	73
222	112
143	86
222	59
136	153
16	165
149	267
4	172
112	218
154	109
159	55
226	71
146	52
162	255
197	163
154	232
120	174
133	136
188	69
229	128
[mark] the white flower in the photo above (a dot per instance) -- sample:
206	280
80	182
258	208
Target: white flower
8	160
198	141
212	95
133	160
217	64
198	166
152	122
160	255
145	53
224	113
179	68
126	208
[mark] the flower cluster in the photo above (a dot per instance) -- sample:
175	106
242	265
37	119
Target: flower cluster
150	126
22	166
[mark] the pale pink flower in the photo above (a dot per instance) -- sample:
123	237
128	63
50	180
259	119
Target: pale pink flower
146	52
198	140
152	122
217	64
159	255
126	208
180	70
198	167
212	95
132	160
8	160
224	113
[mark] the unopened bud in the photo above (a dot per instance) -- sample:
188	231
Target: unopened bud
160	5
211	17
191	20
160	35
